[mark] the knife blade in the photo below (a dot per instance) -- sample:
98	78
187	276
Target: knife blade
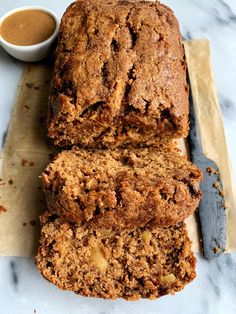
211	210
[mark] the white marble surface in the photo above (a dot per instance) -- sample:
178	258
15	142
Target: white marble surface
23	290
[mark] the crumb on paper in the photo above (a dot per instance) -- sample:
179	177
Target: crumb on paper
32	222
29	85
32	85
23	162
10	182
2	209
217	249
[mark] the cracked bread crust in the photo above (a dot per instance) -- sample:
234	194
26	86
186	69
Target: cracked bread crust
122	188
139	263
120	76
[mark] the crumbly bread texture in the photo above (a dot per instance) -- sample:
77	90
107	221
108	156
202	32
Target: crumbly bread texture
120	76
139	263
122	188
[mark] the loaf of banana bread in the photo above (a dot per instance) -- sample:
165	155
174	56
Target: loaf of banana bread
129	264
120	76
122	188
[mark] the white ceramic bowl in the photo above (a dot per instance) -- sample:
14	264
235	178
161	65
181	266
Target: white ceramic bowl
35	52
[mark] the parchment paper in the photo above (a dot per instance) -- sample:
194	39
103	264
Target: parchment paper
210	121
26	153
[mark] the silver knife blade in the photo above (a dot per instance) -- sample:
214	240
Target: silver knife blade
211	210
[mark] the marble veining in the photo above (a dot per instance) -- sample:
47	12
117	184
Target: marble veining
23	290
227	106
222	12
14	276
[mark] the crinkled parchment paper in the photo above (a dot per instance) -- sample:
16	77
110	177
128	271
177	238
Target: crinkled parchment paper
26	152
210	122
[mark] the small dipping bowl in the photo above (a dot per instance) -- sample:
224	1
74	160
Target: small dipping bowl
35	52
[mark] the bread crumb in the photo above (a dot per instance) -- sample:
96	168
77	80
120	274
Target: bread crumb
24	224
221	193
29	85
23	162
10	182
210	170
216	184
217	249
223	205
2	209
27	107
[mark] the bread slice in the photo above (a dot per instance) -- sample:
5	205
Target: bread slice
122	188
129	264
120	76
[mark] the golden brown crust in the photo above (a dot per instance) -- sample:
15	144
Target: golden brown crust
120	76
122	188
139	263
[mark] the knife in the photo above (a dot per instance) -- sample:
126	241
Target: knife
211	210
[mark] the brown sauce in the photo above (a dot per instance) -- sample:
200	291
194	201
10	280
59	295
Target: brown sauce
28	27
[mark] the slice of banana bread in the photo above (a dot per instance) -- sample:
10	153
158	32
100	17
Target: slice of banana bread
122	188
120	76
139	263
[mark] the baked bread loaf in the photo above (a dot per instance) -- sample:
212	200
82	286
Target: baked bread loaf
120	76
139	263
122	188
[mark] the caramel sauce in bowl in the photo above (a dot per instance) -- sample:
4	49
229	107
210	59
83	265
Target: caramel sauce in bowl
29	33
